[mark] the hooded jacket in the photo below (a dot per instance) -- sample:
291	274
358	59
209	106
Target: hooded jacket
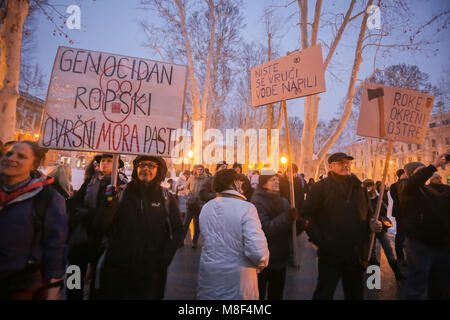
339	212
145	234
234	249
17	229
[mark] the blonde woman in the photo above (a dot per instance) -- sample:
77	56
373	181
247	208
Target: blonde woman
63	177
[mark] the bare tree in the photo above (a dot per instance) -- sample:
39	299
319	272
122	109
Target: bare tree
202	35
10	43
11	35
396	14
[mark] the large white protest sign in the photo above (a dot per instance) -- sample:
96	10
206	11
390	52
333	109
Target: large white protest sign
394	113
298	74
111	103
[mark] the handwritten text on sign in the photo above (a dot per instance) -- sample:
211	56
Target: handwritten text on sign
296	75
111	103
404	113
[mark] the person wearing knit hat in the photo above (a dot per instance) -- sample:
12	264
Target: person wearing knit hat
427	232
194	204
276	218
413	167
437	185
265	175
146	233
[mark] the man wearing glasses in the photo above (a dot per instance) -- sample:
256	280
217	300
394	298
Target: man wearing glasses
339	212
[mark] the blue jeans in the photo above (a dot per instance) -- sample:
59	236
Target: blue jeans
386	244
428	270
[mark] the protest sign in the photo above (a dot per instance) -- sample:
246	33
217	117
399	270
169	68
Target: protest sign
111	103
298	74
394	113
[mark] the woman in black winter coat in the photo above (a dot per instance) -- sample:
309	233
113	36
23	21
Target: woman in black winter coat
146	232
276	220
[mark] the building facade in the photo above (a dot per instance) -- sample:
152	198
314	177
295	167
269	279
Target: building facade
370	153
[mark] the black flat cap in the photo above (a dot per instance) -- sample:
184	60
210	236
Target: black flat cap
338	157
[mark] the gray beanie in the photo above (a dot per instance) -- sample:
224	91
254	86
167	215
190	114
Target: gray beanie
410	167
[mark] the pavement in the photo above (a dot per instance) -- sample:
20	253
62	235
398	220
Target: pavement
300	284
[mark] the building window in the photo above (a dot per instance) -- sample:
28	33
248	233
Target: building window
409	146
432	125
433	142
446	121
447	141
419	159
419	147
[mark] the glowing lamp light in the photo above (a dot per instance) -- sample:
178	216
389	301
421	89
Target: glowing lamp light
283	160
191	153
250	166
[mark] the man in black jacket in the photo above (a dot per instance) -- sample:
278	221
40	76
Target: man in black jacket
339	211
397	214
427	232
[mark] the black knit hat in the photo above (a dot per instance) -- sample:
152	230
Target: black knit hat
411	166
162	167
265	176
99	158
223	179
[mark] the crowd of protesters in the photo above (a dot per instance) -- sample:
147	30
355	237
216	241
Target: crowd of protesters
124	237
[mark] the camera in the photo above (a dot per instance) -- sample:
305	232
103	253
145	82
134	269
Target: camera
447	157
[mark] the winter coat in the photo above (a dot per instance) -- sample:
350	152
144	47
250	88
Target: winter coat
426	211
339	212
146	232
234	249
206	192
85	208
181	192
273	212
396	209
20	224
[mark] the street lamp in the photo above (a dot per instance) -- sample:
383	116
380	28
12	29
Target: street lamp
284	161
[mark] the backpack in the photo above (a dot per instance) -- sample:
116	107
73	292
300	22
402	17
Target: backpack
41	202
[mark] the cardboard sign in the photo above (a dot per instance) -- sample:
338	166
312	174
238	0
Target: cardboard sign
110	103
394	113
297	75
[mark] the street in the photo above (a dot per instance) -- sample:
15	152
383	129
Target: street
300	285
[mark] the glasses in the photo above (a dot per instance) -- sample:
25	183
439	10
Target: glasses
151	166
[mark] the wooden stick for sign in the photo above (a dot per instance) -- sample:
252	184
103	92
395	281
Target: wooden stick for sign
291	184
380	197
115	169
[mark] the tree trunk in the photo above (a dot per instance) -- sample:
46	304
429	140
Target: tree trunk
350	92
10	44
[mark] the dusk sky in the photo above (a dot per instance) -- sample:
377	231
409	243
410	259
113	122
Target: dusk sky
110	26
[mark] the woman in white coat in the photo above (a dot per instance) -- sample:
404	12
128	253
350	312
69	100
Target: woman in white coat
234	246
